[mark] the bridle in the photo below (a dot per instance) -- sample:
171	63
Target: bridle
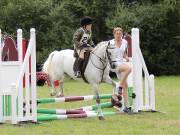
103	59
108	56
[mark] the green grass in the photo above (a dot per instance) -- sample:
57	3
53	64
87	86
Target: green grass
167	100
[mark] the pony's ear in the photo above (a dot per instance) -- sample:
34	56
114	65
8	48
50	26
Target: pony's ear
108	43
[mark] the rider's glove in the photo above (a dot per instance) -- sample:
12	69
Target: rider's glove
93	45
85	45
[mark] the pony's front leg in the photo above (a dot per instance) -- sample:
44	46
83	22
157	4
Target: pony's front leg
108	80
116	95
99	110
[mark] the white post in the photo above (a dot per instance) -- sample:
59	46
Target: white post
0	46
33	75
1	106
146	92
137	71
152	92
20	87
19	45
27	91
1	110
14	118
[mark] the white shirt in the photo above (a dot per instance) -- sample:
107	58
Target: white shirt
120	50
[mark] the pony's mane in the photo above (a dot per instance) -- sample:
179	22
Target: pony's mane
102	43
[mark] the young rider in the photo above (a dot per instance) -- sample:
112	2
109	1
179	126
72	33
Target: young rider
82	40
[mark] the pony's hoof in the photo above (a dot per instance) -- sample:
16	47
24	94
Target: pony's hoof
60	95
52	94
101	118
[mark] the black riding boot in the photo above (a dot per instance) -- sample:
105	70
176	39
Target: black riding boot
79	67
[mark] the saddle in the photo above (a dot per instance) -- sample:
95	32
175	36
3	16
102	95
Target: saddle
83	67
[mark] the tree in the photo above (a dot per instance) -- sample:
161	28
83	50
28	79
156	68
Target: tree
158	33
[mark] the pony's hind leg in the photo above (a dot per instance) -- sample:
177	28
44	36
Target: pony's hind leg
61	93
52	87
99	110
61	83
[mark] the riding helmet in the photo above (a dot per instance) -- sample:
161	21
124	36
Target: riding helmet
86	21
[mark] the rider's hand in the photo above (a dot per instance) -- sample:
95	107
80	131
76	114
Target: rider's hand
85	45
93	45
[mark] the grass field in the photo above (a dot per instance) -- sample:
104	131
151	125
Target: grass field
167	100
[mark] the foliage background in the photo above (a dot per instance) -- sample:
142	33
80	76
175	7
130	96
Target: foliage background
56	20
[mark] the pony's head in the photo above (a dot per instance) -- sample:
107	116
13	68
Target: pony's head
111	55
106	52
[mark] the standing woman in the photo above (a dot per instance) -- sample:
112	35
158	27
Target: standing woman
123	69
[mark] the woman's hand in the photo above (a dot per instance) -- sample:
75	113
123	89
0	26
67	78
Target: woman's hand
127	59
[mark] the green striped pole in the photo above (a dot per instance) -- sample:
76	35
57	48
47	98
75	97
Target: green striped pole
60	111
68	116
73	98
95	107
74	111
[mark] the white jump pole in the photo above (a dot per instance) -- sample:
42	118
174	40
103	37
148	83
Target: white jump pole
31	51
137	71
0	46
20	88
14	115
145	99
152	92
13	86
33	76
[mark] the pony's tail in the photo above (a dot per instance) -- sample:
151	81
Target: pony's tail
47	64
